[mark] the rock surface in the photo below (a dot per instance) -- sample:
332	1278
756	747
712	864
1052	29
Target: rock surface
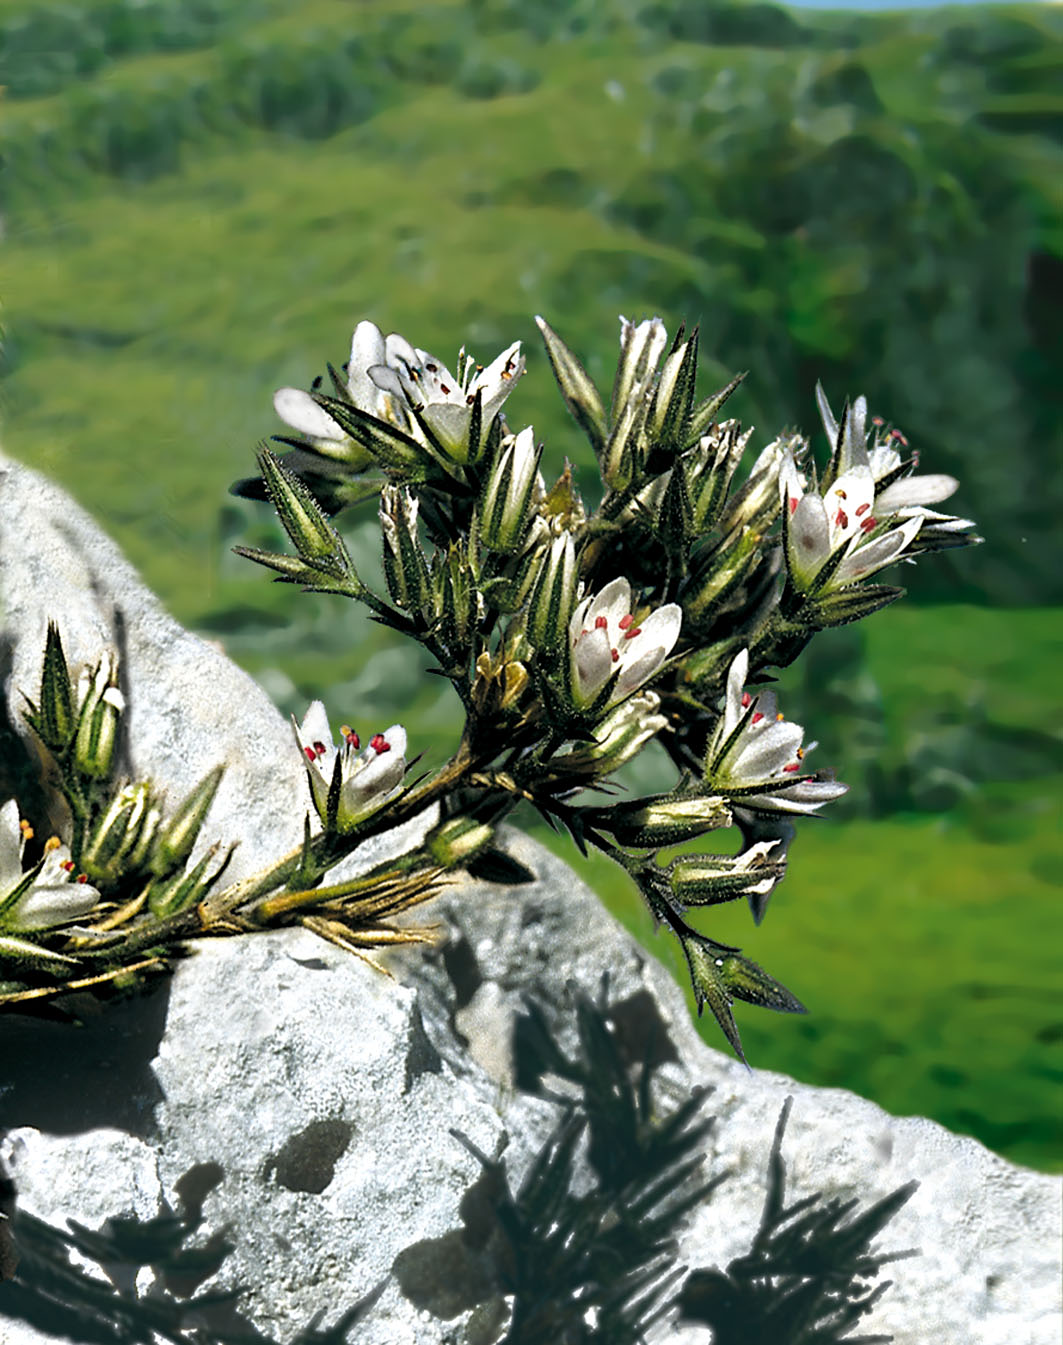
325	1092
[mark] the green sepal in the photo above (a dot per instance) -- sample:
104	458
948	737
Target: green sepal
661	819
177	838
850	604
677	515
702	416
303	519
669	421
389	446
30	954
747	981
577	388
55	720
705	962
182	891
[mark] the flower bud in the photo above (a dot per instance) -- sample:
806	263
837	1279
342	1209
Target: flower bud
129	820
707	880
54	721
506	498
182	890
709	468
458	839
316	540
618	737
553	596
665	820
731	562
179	835
405	566
100	704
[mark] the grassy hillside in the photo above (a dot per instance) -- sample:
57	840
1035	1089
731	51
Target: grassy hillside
202	198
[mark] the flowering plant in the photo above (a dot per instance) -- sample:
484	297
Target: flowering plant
574	637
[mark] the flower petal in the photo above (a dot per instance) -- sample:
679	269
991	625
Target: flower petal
10	846
367	349
299	410
916	490
808	539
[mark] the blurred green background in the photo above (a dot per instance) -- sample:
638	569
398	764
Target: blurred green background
201	198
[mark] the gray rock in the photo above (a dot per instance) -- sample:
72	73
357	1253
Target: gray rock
324	1092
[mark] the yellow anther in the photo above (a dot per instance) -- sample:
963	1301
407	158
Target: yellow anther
52	843
26	829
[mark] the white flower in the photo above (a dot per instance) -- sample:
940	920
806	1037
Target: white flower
388	379
898	491
845	518
367	779
44	896
607	642
444	402
756	755
621	735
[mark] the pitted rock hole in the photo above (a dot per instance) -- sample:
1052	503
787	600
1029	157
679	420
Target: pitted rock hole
307	1162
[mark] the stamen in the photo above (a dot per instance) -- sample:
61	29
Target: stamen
444	390
615	655
26	829
625	621
841	494
793	766
601	623
630	634
311	755
863	509
779	718
869	523
319	749
841	519
350	737
470	399
793	505
83	877
877	420
68	865
747	700
52	843
757	717
432	368
379	744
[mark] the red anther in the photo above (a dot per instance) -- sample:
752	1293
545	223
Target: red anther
756	718
747	700
625	621
877	420
630	634
432	368
869	523
470	399
379	744
319	749
67	864
83	877
311	755
841	519
444	390
615	655
793	505
352	739
793	766
863	509
601	623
